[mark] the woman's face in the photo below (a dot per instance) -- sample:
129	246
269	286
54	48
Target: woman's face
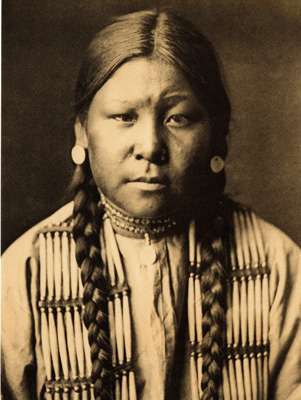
148	138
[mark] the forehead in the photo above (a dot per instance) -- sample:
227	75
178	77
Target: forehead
145	81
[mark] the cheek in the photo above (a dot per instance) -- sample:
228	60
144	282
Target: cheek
100	161
191	155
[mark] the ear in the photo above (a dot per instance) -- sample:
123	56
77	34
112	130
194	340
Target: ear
80	134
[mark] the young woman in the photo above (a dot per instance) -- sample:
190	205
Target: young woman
183	293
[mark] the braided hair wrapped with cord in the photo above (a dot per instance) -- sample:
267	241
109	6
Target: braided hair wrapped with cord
164	36
213	301
87	220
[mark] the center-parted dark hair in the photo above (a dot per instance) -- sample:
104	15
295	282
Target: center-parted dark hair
175	41
157	35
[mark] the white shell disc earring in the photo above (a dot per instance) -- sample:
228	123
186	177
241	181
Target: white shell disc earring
78	154
217	164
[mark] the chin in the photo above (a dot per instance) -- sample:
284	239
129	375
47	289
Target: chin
148	211
148	208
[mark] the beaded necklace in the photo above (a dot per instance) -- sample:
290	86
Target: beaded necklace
143	227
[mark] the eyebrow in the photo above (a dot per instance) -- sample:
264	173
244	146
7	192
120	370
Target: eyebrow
170	97
176	98
118	100
175	95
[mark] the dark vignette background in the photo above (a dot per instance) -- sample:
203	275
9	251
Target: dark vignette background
259	45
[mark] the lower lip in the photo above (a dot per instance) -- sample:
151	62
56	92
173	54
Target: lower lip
150	187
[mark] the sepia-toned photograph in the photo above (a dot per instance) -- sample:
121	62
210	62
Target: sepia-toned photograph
150	230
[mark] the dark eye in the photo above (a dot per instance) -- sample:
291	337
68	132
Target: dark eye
125	118
177	120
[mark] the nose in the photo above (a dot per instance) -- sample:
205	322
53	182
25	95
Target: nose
150	143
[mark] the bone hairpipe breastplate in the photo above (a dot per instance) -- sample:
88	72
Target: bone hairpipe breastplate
65	346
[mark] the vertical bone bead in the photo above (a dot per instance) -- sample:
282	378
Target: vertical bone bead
226	385
132	386
62	343
260	375
258	310
65	266
236	311
70	341
117	388
43	272
74	269
199	373
53	344
265	308
247	377
243	310
232	379
49	263
112	245
251	311
119	329
127	327
46	344
193	378
239	379
124	387
254	376
265	375
110	262
79	342
57	257
191	308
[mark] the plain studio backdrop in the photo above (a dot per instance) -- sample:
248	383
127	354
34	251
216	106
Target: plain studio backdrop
258	43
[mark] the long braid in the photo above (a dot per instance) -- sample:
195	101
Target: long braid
213	324
87	220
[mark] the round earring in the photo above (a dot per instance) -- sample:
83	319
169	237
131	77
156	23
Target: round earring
78	154
217	164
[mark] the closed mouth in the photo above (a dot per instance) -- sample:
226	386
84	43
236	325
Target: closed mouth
152	180
150	183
